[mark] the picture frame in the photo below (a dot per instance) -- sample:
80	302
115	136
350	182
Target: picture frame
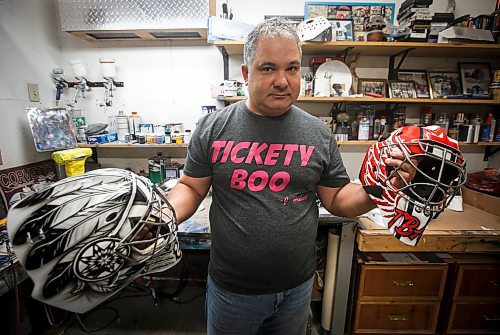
476	78
372	87
342	30
402	89
419	77
444	84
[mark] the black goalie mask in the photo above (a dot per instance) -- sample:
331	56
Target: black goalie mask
76	238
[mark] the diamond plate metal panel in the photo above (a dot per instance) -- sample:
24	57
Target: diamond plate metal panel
81	15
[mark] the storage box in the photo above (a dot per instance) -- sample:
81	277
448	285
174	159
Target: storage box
104	138
486	202
465	35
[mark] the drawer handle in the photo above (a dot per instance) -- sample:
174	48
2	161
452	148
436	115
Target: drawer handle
491	317
494	283
396	317
403	283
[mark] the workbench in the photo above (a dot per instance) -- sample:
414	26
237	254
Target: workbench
472	230
456	291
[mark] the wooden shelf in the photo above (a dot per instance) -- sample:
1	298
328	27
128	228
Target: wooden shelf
462	144
386	49
384	100
121	145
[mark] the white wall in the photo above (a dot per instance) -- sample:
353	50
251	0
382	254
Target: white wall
164	82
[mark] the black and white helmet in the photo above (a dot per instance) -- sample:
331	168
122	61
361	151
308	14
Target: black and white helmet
75	238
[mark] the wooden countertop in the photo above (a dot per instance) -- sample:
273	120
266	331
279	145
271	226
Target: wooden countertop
472	230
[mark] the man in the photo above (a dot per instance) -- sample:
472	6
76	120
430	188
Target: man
266	161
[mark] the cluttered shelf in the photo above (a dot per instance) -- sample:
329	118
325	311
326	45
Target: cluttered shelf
382	100
385	48
122	145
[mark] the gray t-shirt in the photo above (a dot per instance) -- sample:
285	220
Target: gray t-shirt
264	173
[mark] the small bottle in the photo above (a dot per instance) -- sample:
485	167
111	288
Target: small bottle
177	137
383	122
364	129
376	129
187	136
135	121
168	136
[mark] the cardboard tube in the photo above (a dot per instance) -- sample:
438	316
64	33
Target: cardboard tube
330	277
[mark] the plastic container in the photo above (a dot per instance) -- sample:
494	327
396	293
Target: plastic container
78	67
364	129
108	67
187	136
134	121
122	125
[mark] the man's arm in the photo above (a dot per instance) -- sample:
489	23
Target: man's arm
351	200
187	195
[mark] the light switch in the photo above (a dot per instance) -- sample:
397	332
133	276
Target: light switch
33	94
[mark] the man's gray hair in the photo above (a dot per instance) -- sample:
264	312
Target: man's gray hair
273	28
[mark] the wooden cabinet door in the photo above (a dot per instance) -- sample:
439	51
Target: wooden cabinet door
416	282
475	318
478	281
396	317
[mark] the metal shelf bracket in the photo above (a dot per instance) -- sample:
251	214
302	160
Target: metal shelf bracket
225	60
393	70
489	151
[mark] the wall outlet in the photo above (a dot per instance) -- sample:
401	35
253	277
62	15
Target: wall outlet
33	94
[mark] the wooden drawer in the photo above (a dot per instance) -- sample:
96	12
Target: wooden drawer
389	282
467	318
478	281
396	317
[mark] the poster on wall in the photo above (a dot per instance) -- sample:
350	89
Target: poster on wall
358	12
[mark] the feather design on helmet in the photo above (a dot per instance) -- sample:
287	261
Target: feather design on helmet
71	229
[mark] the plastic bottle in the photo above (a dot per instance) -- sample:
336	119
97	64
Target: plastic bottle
187	136
121	125
364	129
376	129
135	120
486	128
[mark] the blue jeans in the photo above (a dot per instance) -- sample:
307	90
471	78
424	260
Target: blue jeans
283	312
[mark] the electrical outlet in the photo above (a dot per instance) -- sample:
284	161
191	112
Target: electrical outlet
33	94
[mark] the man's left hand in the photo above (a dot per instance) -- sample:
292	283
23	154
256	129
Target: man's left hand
406	171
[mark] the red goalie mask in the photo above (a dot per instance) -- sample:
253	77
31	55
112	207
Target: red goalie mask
440	172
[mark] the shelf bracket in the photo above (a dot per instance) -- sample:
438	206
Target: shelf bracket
225	60
393	70
345	52
489	151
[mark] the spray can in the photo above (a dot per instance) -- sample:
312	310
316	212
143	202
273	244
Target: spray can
135	121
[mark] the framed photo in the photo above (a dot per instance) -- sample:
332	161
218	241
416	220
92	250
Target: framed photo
342	30
372	87
402	89
444	84
476	77
419	77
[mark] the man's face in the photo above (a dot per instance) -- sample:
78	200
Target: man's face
274	78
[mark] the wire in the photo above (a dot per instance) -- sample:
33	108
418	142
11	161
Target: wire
90	331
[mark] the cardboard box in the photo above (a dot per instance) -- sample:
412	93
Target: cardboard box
486	202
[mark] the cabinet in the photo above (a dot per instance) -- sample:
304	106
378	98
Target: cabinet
391	49
399	298
474	300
